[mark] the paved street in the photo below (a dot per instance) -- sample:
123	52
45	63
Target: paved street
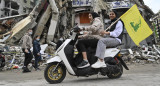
138	75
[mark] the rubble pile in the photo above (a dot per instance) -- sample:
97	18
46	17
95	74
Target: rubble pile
14	57
143	55
7	23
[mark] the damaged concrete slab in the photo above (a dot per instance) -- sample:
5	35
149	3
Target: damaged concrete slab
42	22
54	20
25	24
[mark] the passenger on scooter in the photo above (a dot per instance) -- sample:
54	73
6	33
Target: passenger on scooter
115	34
90	38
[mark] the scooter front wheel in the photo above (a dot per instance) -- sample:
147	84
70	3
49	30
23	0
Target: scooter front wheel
55	73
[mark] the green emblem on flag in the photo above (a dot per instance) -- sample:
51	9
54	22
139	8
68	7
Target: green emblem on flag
136	26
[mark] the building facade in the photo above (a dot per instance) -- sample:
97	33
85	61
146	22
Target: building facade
16	7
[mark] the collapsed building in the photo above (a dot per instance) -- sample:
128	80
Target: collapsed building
12	11
53	19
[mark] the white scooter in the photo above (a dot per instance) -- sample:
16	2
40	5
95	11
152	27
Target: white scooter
55	71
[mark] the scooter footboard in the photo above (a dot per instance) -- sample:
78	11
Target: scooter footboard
54	59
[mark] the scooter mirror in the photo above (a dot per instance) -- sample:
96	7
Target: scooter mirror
76	29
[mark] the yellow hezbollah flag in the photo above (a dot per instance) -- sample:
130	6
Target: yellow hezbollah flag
135	25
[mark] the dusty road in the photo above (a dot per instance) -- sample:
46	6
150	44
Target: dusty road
138	75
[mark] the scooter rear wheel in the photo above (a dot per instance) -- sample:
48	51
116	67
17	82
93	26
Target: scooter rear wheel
53	75
116	74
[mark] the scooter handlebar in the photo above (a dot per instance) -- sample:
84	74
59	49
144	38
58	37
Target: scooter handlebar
76	29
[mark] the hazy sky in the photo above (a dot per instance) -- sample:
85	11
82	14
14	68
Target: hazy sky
153	4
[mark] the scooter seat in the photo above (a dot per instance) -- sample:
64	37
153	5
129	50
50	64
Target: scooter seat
115	46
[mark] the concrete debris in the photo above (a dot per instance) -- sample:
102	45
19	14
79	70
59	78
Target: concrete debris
7	23
22	26
144	54
54	20
25	23
42	22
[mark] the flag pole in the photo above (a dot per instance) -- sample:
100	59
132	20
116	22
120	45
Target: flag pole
112	24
